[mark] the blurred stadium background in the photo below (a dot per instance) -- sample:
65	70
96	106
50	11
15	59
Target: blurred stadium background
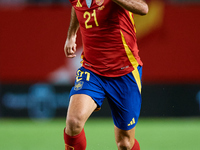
35	77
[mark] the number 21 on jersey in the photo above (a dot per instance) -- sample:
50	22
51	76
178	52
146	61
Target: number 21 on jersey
88	16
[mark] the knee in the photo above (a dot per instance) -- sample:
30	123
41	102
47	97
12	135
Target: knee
124	144
74	125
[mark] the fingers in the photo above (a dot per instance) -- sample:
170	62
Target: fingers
70	47
70	51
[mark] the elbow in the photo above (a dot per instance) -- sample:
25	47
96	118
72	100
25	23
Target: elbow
145	10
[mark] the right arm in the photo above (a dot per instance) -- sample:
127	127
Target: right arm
70	44
139	7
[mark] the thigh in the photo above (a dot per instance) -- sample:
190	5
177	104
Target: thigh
86	96
80	108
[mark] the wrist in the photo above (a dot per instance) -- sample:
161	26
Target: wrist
71	38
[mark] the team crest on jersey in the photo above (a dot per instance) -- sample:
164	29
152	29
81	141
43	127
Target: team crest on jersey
78	85
99	2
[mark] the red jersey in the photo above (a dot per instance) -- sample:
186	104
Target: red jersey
109	37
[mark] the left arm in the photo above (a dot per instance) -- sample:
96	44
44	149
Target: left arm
139	7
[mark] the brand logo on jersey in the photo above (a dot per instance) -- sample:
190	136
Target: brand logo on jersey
99	2
78	4
132	122
124	67
78	85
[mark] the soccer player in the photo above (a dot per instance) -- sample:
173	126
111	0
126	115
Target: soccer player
111	68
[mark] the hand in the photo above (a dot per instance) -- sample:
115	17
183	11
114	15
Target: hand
70	47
